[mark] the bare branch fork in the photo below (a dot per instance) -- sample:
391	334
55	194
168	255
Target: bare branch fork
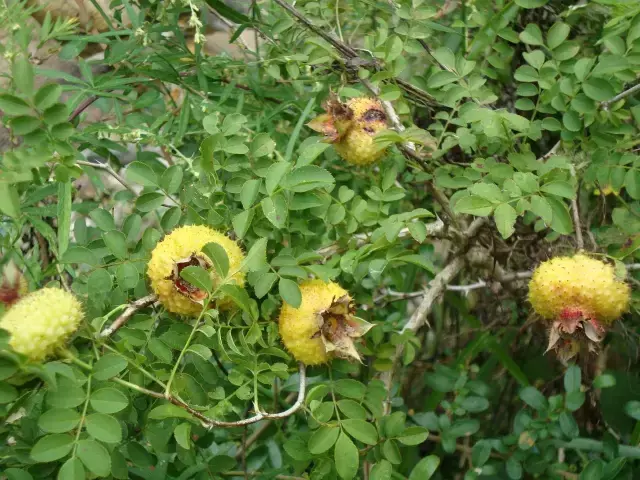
211	423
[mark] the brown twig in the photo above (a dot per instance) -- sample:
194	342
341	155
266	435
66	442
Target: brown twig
82	107
605	105
131	309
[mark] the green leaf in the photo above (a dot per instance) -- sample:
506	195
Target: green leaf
149	202
311	152
323	439
514	468
572	379
59	420
171	179
531	3
593	470
168	410
445	57
109	366
381	470
425	468
14	106
262	145
309	177
116	242
604	381
275	209
413	436
249	192
240	297
598	89
361	430
198	277
264	284
632	409
108	400
18	474
574	400
505	216
24	124
290	292
480	453
474	205
256	259
532	35
219	258
632	183
72	470
9	200
127	276
561	222
142	174
103	219
52	447
571	121
241	222
274	175
541	207
95	457
559	188
47	96
23	75
532	397
557	34
392	452
346	457
464	427
103	427
568	425
347	387
182	434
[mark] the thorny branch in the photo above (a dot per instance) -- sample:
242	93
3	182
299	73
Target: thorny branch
434	229
211	423
124	317
436	288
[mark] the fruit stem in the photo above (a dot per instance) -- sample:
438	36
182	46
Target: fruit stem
167	391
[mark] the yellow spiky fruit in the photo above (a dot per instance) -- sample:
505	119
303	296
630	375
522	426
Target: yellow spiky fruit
578	282
41	322
580	297
323	326
351	127
182	248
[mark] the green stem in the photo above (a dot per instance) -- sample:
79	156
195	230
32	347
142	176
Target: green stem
84	415
167	390
147	374
589	445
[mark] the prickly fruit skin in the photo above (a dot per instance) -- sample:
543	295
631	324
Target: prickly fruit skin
564	284
178	245
299	326
351	127
41	322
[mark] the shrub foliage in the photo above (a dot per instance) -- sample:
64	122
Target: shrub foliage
512	137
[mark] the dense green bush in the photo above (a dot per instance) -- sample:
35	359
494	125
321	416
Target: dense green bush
513	137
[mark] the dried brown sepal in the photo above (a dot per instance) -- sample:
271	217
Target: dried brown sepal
339	327
181	285
13	284
573	329
336	122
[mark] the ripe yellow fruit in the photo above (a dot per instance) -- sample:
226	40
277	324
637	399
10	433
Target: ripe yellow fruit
351	127
577	292
41	322
323	327
180	249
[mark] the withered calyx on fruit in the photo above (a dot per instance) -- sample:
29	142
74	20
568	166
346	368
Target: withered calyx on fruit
351	126
581	296
324	326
